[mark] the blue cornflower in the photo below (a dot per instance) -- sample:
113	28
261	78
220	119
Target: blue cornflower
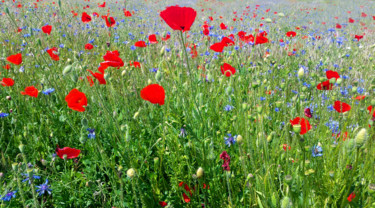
43	188
28	179
91	134
262	98
2	115
228	108
9	196
277	109
132	48
48	91
317	150
182	132
230	140
154	70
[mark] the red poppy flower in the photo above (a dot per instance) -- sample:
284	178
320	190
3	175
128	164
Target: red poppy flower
223	26
360	97
53	53
111	58
127	13
305	125
135	64
85	17
332	74
102	5
206	32
244	38
179	18
167	36
99	77
261	38
95	14
351	20
89	78
351	197
227	70
163	203
47	29
217	47
358	37
7	82
308	113
7	67
30	91
15	59
338	26
76	100
89	46
187	189
341	107
152	39
140	44
291	34
324	86
109	21
227	42
363	14
153	93
69	152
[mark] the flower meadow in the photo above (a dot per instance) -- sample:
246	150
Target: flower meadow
202	103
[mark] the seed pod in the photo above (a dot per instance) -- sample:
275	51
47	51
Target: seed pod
67	70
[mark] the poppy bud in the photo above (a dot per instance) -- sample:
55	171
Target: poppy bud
229	90
130	173
21	147
255	84
268	20
82	139
304	89
286	203
60	3
302	97
297	128
84	122
239	139
6	10
200	99
301	72
259	109
200	172
282	85
361	137
136	115
162	50
244	106
67	70
158	76
149	81
15	166
278	104
332	81
288	179
156	163
339	80
270	137
44	162
321	79
371	189
281	14
354	89
106	76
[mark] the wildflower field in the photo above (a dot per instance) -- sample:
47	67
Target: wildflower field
202	103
